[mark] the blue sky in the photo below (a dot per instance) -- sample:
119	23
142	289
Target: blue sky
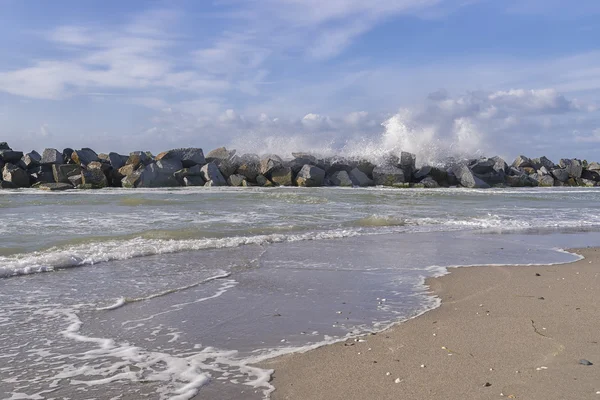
502	77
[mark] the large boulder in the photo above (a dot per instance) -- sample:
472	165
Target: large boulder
388	175
249	166
15	175
237	180
573	167
467	179
310	176
407	163
269	163
4	146
67	153
159	174
62	172
10	156
211	174
429	182
187	156
41	174
521	162
51	156
590	175
341	178
132	180
545	180
137	158
359	178
543	161
116	160
483	166
561	175
300	160
186	172
93	178
282	176
366	167
523	180
439	175
32	159
84	156
226	160
594	166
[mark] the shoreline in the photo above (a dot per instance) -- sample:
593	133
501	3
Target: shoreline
537	320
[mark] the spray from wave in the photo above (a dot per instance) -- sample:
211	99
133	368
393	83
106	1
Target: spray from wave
433	143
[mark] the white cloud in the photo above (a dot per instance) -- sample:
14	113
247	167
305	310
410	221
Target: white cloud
594	137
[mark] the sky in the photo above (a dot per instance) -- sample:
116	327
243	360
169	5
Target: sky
490	77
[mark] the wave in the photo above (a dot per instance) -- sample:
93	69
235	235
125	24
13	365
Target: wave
57	258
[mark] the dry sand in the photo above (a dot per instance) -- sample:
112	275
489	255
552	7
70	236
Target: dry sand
501	332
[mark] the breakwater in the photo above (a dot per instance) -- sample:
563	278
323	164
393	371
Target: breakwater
86	169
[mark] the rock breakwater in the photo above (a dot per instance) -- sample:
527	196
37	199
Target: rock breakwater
86	169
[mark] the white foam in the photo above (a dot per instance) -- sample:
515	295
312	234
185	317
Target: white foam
93	253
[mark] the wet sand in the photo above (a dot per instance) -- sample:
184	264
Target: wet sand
501	332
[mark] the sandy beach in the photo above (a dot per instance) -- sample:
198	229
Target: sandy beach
517	332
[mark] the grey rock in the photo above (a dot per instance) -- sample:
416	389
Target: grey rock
366	167
66	154
583	361
210	173
482	166
220	154
407	163
499	164
429	182
187	156
193	180
269	163
116	160
262	180
573	167
84	156
62	172
15	175
55	186
51	156
388	175
545	180
591	175
587	182
7	185
196	170
561	175
237	180
41	174
32	159
297	163
341	178
543	171
4	146
523	180
543	161
594	166
282	176
159	174
131	180
249	166
467	179
360	178
337	164
227	166
76	180
522	162
310	176
137	158
11	156
94	178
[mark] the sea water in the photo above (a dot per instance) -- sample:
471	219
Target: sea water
175	294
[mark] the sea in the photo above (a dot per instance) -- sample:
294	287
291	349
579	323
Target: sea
179	293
